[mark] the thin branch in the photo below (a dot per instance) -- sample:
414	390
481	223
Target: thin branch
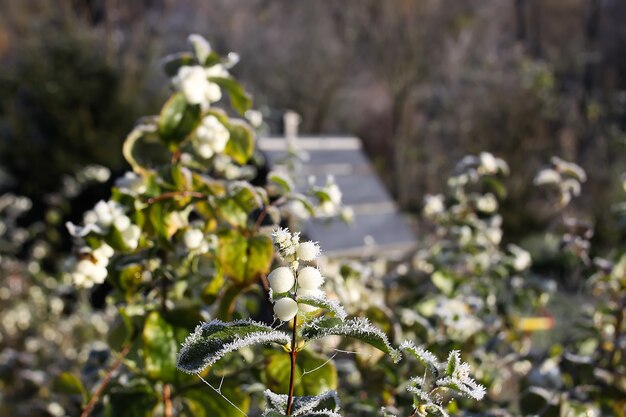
167	400
293	355
174	194
263	214
105	382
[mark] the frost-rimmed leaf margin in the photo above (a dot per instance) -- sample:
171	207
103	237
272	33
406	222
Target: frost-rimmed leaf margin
322	413
358	328
466	386
322	302
210	341
429	360
304	405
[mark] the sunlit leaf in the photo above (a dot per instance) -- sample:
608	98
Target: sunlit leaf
159	348
357	328
177	119
212	340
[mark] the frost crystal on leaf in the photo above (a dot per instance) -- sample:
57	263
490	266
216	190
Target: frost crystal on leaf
212	340
452	374
427	358
286	242
320	301
325	403
358	328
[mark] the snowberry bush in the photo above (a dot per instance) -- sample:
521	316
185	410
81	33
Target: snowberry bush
185	237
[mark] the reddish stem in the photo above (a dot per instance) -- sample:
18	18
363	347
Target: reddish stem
105	382
174	194
293	355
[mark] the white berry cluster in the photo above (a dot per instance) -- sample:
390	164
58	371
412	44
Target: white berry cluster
211	137
195	241
330	205
105	216
131	184
194	81
91	267
289	282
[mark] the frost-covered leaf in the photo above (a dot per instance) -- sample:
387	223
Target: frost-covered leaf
322	413
466	386
454	360
212	340
358	328
327	401
320	301
429	360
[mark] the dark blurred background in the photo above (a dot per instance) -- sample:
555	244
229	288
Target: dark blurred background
422	82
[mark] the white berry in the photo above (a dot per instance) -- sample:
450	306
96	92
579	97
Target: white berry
281	279
310	278
308	251
285	309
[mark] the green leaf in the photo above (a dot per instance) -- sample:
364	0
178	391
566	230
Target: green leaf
277	373
239	99
140	132
177	119
122	330
137	399
246	196
115	240
208	403
172	63
185	313
282	179
358	328
232	254
67	383
212	340
308	206
244	259
496	186
228	300
454	361
318	373
240	146
231	212
212	289
159	348
260	254
130	277
444	282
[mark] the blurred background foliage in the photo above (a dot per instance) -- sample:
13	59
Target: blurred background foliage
421	82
